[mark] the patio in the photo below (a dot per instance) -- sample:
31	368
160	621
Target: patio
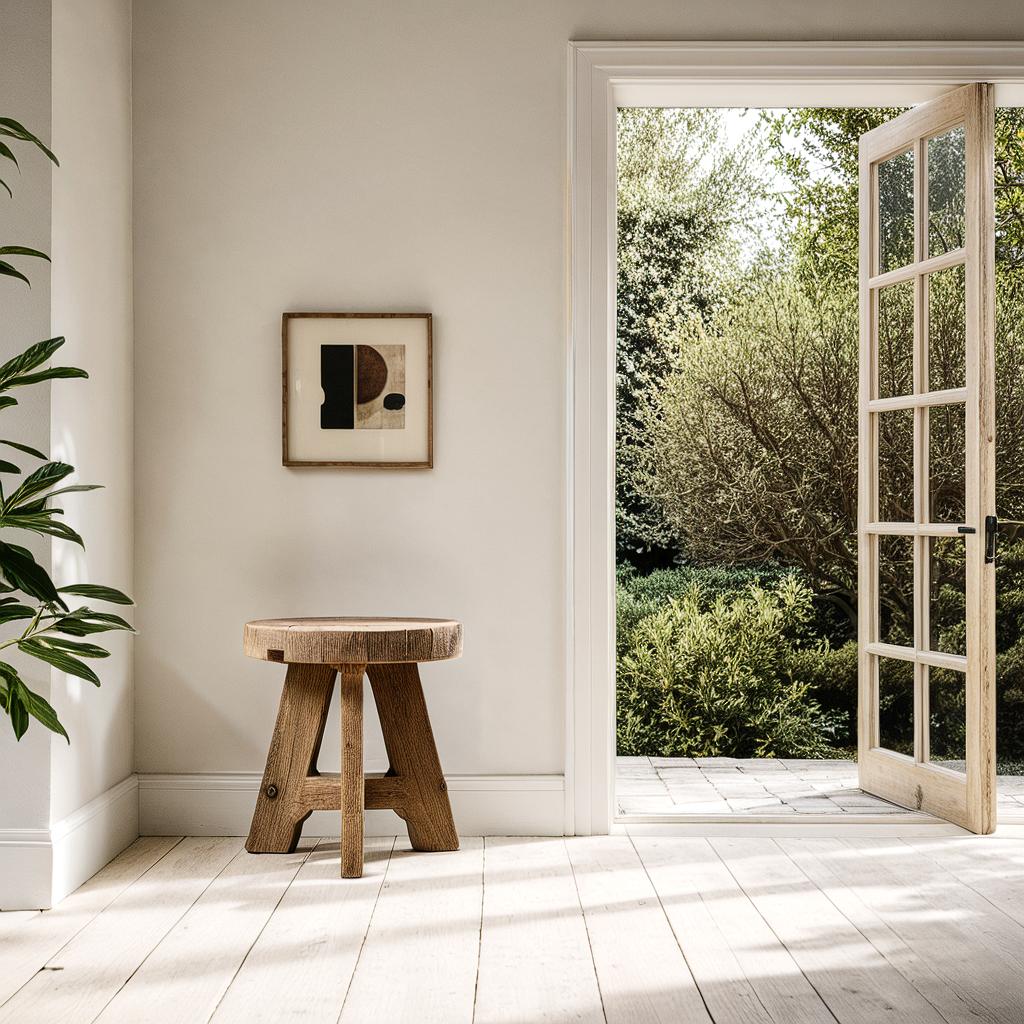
761	786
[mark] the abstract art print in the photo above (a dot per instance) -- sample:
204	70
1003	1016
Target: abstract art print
357	390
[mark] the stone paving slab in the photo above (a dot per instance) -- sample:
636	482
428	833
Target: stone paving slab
754	786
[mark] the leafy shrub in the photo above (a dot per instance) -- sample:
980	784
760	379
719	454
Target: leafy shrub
831	675
711	674
820	659
638	596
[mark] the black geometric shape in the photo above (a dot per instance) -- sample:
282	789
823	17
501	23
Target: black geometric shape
394	401
337	379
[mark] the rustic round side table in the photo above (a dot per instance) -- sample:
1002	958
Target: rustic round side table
388	651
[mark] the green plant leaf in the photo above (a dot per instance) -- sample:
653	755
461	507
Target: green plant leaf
72	489
21	570
7	187
35	355
8	467
22	250
40	709
11	612
84	621
36	507
36	705
17	444
42	524
51	373
38	481
18	713
99	593
109	618
75	647
58	659
6	151
13	129
6	402
8	271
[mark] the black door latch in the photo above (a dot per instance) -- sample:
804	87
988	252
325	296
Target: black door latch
991	529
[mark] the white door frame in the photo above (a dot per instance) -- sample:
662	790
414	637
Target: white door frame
601	77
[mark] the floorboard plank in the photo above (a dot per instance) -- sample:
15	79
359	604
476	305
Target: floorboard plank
896	926
184	978
856	982
745	974
969	942
86	974
11	921
301	964
641	971
535	960
992	866
26	951
418	962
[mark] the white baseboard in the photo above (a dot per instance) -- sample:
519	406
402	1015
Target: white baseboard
94	835
219	804
26	869
39	867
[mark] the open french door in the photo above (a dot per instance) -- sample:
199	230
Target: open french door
926	519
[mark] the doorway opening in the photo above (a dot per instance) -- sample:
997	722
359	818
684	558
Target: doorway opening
737	463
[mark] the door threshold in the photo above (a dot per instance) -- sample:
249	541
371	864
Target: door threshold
808	825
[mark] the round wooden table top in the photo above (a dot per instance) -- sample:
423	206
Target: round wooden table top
352	640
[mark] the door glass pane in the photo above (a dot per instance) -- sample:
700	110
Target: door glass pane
947	568
946	166
896	340
896	212
895	705
896	590
947	719
947	329
946	463
896	466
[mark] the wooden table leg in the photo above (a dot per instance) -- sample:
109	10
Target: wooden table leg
301	716
413	755
352	781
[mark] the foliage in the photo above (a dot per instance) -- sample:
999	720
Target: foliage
29	595
749	441
684	200
708	675
639	595
750	437
746	442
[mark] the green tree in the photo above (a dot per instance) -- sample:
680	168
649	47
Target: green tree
684	198
751	436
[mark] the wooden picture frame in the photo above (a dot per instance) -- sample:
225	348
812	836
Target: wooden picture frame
368	430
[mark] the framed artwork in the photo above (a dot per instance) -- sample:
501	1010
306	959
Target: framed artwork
357	390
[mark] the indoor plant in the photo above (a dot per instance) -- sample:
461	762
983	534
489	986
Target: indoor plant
47	627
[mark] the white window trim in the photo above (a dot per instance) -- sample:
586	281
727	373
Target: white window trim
602	77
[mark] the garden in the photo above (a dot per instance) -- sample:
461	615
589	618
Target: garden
736	444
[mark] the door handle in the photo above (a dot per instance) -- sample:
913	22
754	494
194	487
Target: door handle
991	529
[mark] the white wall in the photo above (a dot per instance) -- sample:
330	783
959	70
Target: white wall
25	220
91	421
65	72
374	156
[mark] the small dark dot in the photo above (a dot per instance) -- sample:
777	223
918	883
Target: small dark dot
394	401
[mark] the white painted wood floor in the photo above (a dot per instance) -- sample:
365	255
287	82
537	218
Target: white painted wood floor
741	930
